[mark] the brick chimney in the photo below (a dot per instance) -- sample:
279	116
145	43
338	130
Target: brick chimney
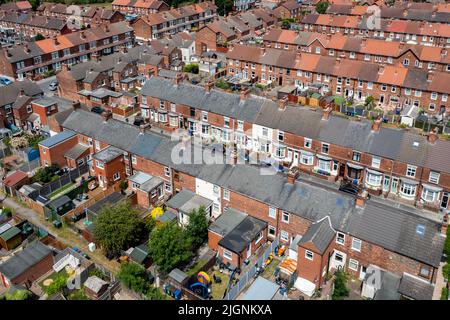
244	94
326	113
444	225
178	78
430	76
21	92
234	154
444	52
363	42
64	67
123	49
94	57
433	136
292	175
26	48
209	85
76	105
82	35
8	53
263	51
381	70
376	125
142	128
282	103
401	46
361	199
106	28
107	115
55	41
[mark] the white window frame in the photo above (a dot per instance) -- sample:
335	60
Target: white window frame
339	236
411	171
309	255
353	262
116	176
356	240
272	212
167	171
227	254
284	236
283	215
434	177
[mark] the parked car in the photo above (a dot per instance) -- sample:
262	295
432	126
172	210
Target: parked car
4	81
98	110
53	85
349	188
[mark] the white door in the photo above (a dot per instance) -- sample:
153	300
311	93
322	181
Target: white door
249	250
362	273
296	155
338	260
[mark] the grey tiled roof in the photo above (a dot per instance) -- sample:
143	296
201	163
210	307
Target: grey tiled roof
415	288
24	260
320	234
380	224
245	232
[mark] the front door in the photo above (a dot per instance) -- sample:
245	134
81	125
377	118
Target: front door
249	250
362	273
445	198
296	155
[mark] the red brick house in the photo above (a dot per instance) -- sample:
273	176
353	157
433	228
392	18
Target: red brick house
108	166
52	149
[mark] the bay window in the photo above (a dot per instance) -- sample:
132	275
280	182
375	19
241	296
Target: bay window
408	189
324	165
373	178
306	158
430	193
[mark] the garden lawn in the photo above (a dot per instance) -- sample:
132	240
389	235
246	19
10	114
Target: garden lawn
64	189
217	289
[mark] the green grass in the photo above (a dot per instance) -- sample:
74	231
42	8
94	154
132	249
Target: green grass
270	269
196	268
217	289
78	295
64	189
53	276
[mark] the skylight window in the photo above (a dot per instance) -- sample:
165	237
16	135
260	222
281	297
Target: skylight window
420	230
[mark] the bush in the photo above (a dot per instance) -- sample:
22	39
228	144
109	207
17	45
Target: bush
57	285
322	6
191	68
340	288
134	276
444	294
19	294
46	174
446	271
7	212
447	244
98	273
48	73
222	85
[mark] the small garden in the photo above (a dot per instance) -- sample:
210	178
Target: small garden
46	174
340	291
136	278
191	68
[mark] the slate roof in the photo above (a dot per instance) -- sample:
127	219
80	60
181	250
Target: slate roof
9	93
227	221
186	201
320	234
76	151
108	154
306	199
415	288
245	232
25	259
58	138
113	198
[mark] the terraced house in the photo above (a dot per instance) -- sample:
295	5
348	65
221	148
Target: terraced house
419	32
358	48
283	207
439	12
33	59
390	85
138	7
28	25
389	163
79	16
190	17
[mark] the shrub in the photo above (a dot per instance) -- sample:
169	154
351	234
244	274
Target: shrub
444	294
57	285
340	288
134	276
222	85
191	68
446	271
46	174
322	6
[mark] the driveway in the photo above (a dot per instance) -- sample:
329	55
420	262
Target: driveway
44	83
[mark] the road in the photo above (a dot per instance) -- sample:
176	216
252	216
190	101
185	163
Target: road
63	104
64	235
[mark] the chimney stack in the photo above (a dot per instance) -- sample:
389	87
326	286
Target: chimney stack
361	199
381	70
234	154
292	175
430	76
76	105
376	125
107	115
64	67
82	35
433	136
55	40
21	92
326	112
8	53
209	85
263	51
401	46
27	49
142	128
94	57
178	78
244	94
282	103
363	42
444	225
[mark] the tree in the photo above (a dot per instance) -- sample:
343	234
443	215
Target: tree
35	4
19	294
45	174
369	101
168	246
155	294
340	288
39	37
191	68
285	24
118	227
224	6
134	276
322	6
197	229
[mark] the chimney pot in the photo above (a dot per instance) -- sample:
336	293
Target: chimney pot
282	103
433	136
76	105
326	112
292	175
430	76
21	92
376	125
244	94
107	115
208	86
178	78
